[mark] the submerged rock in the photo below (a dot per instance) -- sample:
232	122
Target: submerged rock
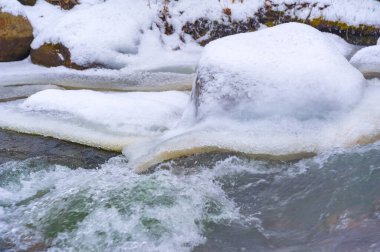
18	146
367	60
290	70
16	35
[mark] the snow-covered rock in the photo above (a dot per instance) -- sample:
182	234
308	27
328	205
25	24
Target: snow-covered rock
282	92
351	12
367	60
290	70
105	33
346	49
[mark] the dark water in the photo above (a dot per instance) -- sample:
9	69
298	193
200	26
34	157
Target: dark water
208	202
17	146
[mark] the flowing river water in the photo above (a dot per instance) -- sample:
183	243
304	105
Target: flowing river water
50	200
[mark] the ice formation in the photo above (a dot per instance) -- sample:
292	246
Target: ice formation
102	119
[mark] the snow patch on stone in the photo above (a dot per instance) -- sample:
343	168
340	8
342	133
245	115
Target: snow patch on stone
367	60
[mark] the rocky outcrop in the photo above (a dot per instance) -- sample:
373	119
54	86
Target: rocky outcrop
205	30
53	55
28	2
16	35
357	35
64	4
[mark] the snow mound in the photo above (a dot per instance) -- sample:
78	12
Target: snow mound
346	49
367	60
104	33
102	119
291	70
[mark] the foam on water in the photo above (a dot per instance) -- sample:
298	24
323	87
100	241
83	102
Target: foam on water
112	209
209	199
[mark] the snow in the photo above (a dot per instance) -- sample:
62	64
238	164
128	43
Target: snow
367	60
113	33
13	7
185	11
124	33
352	12
346	49
119	23
290	70
277	138
283	92
102	119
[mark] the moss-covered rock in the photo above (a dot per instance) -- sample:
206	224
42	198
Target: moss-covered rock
28	2
64	4
16	35
358	35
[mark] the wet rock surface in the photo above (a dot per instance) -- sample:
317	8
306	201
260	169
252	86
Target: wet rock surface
16	35
17	146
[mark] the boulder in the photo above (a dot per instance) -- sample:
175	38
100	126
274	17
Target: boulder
367	60
28	2
289	70
64	4
16	35
53	55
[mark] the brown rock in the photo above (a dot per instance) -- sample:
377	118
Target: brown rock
64	4
16	35
53	55
28	2
49	55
